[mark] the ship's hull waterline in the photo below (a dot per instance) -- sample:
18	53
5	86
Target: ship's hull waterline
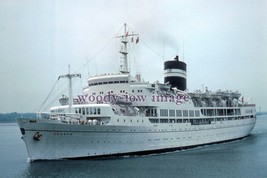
59	141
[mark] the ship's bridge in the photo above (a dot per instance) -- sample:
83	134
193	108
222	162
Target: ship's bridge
106	79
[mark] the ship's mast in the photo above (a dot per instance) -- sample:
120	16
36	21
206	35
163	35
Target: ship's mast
70	76
124	51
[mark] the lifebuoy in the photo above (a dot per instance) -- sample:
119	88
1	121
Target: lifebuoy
37	136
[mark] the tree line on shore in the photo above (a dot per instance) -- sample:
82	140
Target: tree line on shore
11	117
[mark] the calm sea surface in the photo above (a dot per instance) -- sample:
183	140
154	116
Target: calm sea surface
243	158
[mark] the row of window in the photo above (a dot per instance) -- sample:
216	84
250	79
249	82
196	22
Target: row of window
249	111
151	112
88	111
131	120
121	91
197	121
196	113
138	91
109	82
220	112
57	111
153	120
179	113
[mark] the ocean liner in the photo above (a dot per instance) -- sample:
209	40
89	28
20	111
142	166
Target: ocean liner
119	114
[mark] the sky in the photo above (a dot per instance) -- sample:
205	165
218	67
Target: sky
223	42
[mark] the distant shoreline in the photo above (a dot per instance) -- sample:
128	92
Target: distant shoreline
11	117
261	113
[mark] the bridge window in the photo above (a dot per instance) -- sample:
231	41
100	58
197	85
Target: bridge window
93	111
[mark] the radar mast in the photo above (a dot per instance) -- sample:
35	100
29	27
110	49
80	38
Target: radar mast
124	49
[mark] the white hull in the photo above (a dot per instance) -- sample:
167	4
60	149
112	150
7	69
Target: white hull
75	141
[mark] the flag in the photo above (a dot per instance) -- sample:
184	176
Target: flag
127	33
137	40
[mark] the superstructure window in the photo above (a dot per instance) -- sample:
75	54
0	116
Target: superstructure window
230	112
185	113
164	112
153	120
191	113
220	112
210	112
179	120
108	82
237	112
172	113
163	120
185	120
151	112
178	113
197	113
172	120
93	111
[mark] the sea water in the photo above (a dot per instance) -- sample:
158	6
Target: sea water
242	158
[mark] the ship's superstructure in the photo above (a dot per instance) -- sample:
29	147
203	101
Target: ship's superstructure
120	114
